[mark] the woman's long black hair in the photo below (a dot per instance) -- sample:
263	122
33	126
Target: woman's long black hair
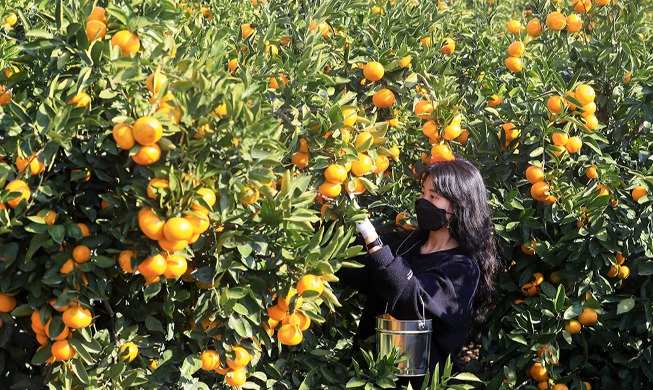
471	225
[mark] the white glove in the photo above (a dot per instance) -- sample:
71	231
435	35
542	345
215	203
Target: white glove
366	229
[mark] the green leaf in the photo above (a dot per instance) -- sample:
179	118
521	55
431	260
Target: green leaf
625	306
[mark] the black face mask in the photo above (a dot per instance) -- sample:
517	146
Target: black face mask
430	216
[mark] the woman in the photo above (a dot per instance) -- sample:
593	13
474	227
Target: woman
448	263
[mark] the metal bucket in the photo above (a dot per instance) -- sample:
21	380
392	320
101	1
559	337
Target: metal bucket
411	337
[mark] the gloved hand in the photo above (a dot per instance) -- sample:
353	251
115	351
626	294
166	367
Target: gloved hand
365	228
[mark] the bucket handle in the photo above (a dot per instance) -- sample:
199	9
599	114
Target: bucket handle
422	323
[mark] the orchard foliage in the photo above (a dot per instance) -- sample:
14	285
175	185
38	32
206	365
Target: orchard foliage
174	180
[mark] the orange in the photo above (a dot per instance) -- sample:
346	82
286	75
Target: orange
559	139
539	190
154	185
246	30
22	188
49	216
510	131
177	265
574	23
624	272
384	98
248	195
208	195
35	166
538	278
284	302
60	336
515	27
539	373
37	325
613	271
462	138
556	104
330	190
358	187
452	131
125	260
155	82
5	95
127	41
571	105
603	190
556	21
300	159
639	192
587	385
200	222
362	139
68	267
514	64
99	14
236	377
153	266
172	245
362	166
210	359
124	136
147	130
177	228
310	282
240	358
495	99
592	172
82	99
150	223
574	144
298	319
335	173
147	154
423	109
588	317
349	116
373	71
591	122
62	350
442	153
128	352
620	258
85	230
173	114
588	109
425	42
534	174
430	129
76	317
582	6
534	28
585	94
559	386
627	77
276	313
382	163
405	62
573	327
81	254
7	303
529	289
233	65
303	145
274	84
95	29
448	46
395	151
290	334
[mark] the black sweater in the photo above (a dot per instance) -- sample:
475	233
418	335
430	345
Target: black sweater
445	280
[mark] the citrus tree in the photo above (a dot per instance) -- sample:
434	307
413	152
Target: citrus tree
175	174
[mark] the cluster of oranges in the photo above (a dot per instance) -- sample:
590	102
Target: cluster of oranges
530	289
56	331
96	29
539	188
619	270
588	317
235	371
288	312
